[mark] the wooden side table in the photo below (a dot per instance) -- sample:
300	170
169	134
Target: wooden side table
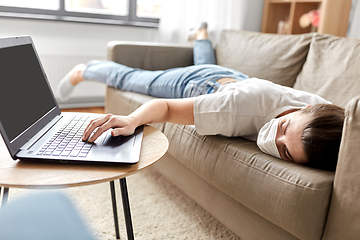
22	174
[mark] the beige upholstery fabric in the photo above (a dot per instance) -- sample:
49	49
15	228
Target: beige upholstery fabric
238	218
274	57
143	55
344	213
332	69
292	197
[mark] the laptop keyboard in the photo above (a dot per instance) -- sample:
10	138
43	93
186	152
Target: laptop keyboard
67	141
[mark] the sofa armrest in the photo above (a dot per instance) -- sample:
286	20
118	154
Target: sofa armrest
150	56
344	214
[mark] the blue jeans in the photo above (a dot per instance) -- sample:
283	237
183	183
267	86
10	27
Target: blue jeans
172	83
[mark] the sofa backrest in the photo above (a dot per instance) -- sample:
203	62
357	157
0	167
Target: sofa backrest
150	56
332	69
274	57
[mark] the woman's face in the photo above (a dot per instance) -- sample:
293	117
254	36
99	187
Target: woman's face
288	137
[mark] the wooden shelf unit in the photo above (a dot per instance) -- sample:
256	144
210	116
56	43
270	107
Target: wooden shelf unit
334	15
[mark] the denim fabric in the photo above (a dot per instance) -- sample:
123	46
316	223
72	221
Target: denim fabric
172	83
203	52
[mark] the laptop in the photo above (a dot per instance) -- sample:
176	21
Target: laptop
31	123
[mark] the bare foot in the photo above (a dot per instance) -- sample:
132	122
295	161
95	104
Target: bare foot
198	33
76	74
201	34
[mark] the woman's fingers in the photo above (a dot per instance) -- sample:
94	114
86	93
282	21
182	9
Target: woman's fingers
122	126
124	131
103	128
95	123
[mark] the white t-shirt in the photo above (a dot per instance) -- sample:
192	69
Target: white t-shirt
242	108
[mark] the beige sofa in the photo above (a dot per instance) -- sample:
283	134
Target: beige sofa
255	195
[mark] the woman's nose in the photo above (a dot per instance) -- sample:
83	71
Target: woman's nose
280	140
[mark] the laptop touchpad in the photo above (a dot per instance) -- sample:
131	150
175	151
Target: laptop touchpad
111	141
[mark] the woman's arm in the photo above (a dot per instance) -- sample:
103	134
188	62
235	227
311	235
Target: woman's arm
180	111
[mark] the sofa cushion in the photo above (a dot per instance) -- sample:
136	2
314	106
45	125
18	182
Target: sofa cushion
274	57
332	69
293	197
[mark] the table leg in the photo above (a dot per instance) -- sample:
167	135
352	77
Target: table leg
5	197
115	212
126	206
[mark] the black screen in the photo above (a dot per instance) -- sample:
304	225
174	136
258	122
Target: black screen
24	93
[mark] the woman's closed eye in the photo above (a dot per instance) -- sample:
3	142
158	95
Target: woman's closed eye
284	127
287	155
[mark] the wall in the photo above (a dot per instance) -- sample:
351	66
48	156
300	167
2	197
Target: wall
253	15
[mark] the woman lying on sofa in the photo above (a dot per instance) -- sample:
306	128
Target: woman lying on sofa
293	125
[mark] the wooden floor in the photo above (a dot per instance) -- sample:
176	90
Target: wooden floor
85	109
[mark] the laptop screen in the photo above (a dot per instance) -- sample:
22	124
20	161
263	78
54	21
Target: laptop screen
25	96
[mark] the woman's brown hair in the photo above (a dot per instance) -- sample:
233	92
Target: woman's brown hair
322	135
